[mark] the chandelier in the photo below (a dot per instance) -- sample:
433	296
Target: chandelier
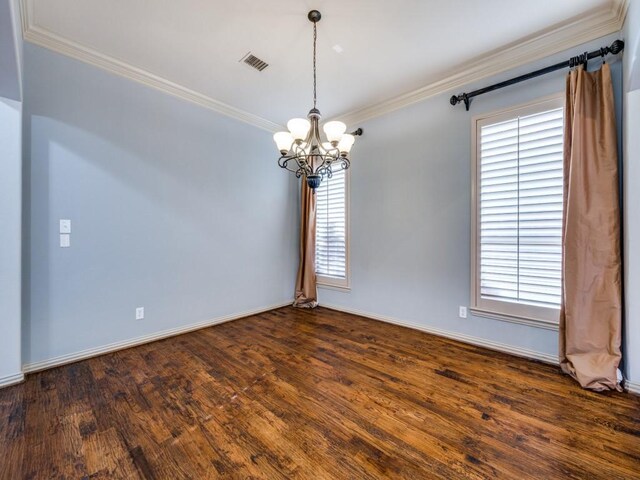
301	148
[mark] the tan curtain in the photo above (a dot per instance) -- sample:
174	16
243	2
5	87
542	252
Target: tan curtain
306	294
590	317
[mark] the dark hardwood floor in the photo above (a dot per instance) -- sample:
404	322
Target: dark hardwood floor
313	394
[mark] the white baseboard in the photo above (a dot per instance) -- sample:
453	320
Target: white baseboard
477	341
112	347
632	387
11	379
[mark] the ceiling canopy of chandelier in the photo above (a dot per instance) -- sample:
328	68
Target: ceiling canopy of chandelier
301	148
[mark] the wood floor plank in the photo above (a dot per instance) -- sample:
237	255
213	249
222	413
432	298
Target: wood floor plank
313	394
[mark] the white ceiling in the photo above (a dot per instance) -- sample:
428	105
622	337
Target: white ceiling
389	47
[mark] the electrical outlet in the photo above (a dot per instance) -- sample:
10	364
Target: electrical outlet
462	312
65	240
139	313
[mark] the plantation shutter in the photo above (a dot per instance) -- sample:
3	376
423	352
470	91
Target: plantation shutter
520	209
331	225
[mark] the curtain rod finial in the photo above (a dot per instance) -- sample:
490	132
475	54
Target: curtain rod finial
616	47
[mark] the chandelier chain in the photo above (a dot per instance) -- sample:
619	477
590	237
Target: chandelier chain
315	37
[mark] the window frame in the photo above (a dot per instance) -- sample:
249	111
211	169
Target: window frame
514	312
336	283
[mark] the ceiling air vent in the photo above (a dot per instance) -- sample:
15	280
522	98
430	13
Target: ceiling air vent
254	62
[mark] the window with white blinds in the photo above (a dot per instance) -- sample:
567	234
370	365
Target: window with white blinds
331	229
518	221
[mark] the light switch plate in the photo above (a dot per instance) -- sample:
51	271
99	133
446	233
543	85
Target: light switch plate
65	240
139	313
65	225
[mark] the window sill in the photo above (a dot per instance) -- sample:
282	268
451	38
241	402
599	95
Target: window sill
329	286
531	322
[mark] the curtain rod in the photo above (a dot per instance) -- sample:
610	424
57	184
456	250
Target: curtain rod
615	48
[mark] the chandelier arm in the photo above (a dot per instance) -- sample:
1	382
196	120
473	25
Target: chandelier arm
316	133
335	153
325	167
310	136
300	156
325	170
283	162
302	161
299	169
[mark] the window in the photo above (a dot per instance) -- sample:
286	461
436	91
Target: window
332	251
517	225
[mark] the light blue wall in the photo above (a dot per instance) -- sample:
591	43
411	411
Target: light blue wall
631	191
631	34
173	207
10	237
10	191
410	212
10	50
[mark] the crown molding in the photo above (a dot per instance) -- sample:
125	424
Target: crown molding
47	39
541	45
16	22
